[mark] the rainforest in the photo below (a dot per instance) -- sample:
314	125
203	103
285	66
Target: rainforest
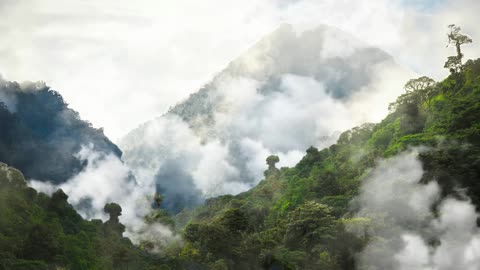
312	145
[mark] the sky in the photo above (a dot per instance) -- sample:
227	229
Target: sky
121	63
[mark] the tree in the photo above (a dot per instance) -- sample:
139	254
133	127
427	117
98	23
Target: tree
59	203
42	242
421	88
454	63
310	224
272	160
417	91
114	210
234	220
419	84
272	170
113	224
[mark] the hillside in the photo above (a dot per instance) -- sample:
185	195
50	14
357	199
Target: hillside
215	141
38	232
40	134
302	217
358	204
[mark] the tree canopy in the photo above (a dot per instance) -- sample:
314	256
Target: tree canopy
457	39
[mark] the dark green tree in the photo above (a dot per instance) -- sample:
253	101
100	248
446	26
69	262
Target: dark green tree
272	170
113	224
42	242
309	225
234	220
114	210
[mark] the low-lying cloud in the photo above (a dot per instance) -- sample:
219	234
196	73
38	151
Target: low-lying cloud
107	179
412	227
281	97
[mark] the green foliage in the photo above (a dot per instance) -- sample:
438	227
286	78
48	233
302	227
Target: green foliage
296	218
272	171
113	209
309	224
41	232
301	218
457	39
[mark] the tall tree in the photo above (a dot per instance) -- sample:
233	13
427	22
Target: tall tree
457	39
419	84
421	88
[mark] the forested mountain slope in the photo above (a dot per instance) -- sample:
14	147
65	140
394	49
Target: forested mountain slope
40	134
301	217
330	211
38	232
309	216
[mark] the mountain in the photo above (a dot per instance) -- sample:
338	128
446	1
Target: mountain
38	232
306	86
400	194
324	53
41	135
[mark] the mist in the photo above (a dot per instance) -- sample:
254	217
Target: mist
411	225
107	179
290	91
220	86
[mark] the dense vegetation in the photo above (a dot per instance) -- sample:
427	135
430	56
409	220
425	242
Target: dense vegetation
40	135
40	232
296	219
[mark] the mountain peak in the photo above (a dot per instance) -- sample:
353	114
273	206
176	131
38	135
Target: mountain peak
289	50
287	82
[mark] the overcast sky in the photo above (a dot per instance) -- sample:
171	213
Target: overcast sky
120	63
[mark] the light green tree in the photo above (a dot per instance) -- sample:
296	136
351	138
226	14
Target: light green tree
457	39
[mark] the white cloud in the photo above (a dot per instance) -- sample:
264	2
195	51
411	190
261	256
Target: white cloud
252	120
281	97
120	63
408	235
213	170
185	166
107	179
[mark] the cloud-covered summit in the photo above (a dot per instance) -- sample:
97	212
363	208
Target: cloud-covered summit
291	90
341	62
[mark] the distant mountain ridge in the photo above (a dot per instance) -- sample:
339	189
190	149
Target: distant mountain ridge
40	134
